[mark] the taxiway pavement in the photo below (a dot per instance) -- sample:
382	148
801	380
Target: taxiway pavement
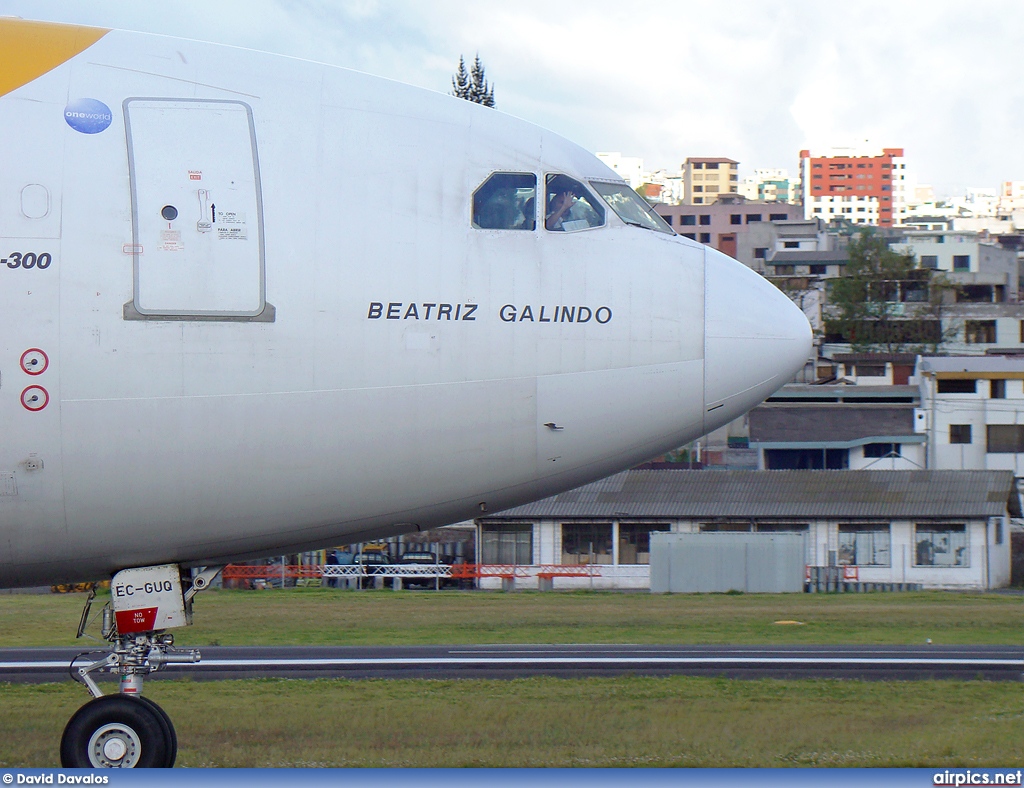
512	661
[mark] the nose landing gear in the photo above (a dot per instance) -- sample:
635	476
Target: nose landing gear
127	730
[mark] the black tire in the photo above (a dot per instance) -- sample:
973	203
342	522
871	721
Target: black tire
115	731
169	732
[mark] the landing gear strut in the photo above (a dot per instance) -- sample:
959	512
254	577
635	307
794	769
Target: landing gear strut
127	730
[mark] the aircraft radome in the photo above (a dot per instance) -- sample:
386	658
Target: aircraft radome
253	305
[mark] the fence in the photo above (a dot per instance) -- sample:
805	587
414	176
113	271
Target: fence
508	574
846	579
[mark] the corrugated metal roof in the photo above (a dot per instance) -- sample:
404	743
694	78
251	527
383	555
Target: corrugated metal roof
971	364
876	358
783	494
777	423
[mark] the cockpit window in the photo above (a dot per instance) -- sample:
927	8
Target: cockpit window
570	206
630	206
506	201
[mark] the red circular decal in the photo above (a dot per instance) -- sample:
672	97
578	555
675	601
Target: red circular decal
34	361
35	398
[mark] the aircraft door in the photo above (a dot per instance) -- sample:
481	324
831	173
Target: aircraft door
197	213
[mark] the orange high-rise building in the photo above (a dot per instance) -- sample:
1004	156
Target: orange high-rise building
862	186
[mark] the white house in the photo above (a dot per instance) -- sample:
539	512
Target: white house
974	408
941	529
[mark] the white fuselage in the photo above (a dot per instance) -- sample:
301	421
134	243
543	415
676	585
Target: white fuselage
292	399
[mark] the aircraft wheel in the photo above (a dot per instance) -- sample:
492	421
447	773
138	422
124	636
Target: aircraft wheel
115	731
171	736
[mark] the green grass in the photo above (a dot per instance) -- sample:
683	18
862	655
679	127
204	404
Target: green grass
625	721
334	617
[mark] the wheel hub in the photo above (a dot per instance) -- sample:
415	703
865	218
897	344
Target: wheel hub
114	746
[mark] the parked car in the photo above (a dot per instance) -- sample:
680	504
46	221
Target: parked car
423	558
373	558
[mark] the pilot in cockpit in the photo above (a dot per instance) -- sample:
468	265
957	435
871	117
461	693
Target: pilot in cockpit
562	195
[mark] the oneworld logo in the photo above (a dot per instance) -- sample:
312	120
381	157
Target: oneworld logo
88	116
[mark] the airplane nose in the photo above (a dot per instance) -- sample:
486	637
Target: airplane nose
756	339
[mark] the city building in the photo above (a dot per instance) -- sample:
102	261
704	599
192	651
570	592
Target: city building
941	529
629	168
728	223
974	412
867	425
770	185
706	179
858	185
983	272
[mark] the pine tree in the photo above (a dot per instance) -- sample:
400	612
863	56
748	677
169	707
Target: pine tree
460	82
472	85
482	92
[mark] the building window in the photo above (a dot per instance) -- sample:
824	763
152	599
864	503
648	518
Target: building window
997	389
957	386
698	165
667	217
930	261
785	270
635	542
791	244
698	200
705	219
869	370
735	218
741	527
698	188
705	238
882	449
713	165
940	545
778	217
979	332
687	220
961	262
806	459
817	270
506	544
959	433
1004	438
586	543
753	217
761	252
864	544
691	236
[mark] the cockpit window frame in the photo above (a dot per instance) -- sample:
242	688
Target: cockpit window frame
531	224
660	225
592	202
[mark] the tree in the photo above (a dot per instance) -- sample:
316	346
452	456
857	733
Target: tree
885	302
472	85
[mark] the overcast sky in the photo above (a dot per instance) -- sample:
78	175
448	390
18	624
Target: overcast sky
665	79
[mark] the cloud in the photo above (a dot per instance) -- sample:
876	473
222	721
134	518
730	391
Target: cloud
666	79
